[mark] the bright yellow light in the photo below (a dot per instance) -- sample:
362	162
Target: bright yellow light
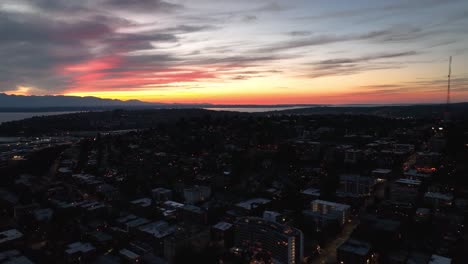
20	90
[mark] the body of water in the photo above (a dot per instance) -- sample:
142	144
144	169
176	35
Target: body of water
254	109
9	139
13	116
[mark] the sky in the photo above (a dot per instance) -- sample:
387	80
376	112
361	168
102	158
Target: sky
236	52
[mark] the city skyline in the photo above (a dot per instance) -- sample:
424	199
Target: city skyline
241	52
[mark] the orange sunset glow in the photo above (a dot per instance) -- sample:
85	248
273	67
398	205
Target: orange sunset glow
236	52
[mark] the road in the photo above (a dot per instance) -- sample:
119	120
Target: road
328	254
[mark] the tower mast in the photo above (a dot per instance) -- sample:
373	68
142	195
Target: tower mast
447	106
448	81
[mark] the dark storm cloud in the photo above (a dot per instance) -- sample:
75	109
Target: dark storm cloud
317	40
249	18
245	75
35	48
366	58
31	64
400	34
347	69
299	33
347	66
62	5
382	10
148	62
237	59
271	7
142	5
189	28
32	47
146	37
39	29
457	83
92	5
428	85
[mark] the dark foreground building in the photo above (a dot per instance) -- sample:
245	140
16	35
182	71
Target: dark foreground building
355	252
284	243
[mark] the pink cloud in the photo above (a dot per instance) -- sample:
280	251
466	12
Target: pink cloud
110	74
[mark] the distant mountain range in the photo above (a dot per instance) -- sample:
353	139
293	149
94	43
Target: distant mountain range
55	103
59	103
52	101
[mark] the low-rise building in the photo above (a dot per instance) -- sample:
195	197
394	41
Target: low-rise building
354	252
325	213
14	257
197	194
108	192
422	215
161	194
383	174
272	216
285	243
310	194
10	238
437	199
155	232
191	214
353	185
436	259
129	256
142	207
353	156
253	206
223	233
405	190
79	252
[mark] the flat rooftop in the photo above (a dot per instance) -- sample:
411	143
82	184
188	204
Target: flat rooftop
337	206
269	225
192	208
79	247
43	214
408	182
9	235
436	259
172	204
222	226
161	190
356	247
382	171
126	218
158	229
129	254
143	202
271	213
438	195
423	211
137	222
415	173
13	257
253	203
311	192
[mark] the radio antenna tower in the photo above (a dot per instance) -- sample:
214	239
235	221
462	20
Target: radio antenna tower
447	106
448	81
